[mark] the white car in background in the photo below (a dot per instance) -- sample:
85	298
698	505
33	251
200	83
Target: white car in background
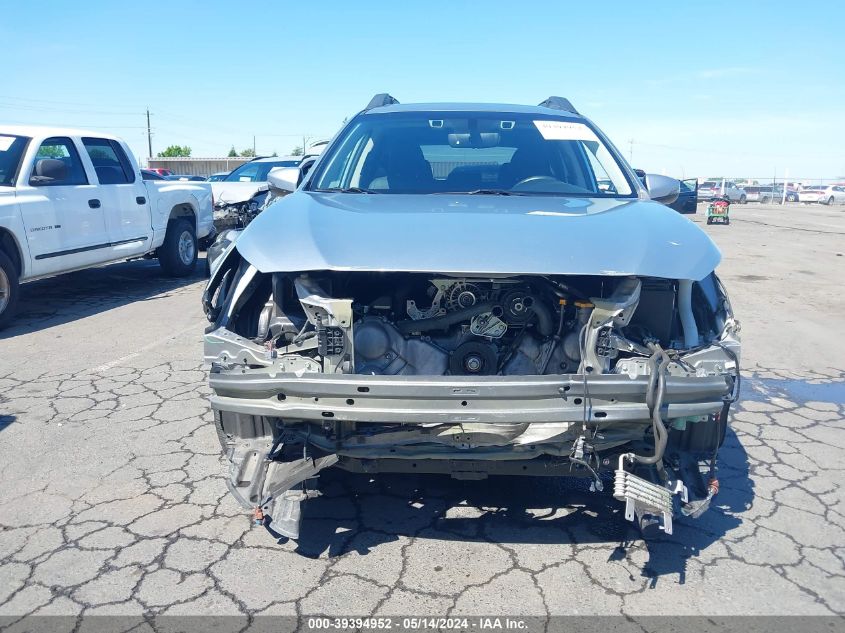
234	195
825	194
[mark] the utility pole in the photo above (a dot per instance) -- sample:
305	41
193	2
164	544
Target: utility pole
631	151
785	185
253	144
149	137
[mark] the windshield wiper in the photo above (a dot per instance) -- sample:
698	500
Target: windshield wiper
481	192
346	190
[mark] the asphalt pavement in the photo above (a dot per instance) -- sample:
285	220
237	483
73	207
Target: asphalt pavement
113	499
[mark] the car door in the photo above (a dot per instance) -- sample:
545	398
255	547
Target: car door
124	197
61	210
691	201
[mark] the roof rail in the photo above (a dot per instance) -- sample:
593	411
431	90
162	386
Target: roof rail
381	99
559	103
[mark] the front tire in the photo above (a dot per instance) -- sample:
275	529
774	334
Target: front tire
830	201
9	290
743	200
177	256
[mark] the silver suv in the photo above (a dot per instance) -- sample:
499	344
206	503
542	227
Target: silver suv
474	290
710	189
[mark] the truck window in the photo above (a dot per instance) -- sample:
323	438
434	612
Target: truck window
110	161
11	153
57	163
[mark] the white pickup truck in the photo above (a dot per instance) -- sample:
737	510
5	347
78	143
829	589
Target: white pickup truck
71	199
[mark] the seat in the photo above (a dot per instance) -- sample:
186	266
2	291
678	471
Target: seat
464	179
405	168
525	163
50	169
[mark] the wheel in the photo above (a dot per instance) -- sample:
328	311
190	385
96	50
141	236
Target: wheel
792	198
709	220
830	201
727	220
764	201
178	254
743	199
9	289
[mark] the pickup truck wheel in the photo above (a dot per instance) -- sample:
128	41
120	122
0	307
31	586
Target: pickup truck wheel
9	289
178	254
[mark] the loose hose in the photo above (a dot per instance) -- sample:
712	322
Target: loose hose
654	401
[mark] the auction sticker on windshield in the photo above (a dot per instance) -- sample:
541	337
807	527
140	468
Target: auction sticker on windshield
565	131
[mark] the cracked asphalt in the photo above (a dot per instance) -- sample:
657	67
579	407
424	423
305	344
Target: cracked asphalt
113	498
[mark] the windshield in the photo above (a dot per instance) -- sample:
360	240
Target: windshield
467	152
11	151
257	172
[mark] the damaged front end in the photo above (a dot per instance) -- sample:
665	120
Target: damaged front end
592	376
237	214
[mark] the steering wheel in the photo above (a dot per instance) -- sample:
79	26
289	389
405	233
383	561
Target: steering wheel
535	180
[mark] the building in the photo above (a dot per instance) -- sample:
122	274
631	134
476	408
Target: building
197	166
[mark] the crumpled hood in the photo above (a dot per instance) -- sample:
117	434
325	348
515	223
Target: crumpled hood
477	235
234	192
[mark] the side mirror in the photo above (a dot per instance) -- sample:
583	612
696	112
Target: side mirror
285	179
662	189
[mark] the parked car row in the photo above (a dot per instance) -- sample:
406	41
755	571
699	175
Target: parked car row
156	174
771	193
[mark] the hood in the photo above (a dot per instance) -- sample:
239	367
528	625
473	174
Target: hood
478	235
234	192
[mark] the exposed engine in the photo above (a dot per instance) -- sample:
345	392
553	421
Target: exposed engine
469	327
413	324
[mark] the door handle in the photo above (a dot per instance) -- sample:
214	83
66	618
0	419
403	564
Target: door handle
141	200
94	204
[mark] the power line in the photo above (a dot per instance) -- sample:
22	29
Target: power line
75	125
128	110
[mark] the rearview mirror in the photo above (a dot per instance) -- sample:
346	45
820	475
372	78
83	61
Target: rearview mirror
662	189
284	178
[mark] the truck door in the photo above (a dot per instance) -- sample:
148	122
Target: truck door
124	197
61	211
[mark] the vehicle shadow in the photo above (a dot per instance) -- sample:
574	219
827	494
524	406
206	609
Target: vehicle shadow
6	420
72	296
361	512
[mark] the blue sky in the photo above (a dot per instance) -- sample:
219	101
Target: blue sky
688	89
